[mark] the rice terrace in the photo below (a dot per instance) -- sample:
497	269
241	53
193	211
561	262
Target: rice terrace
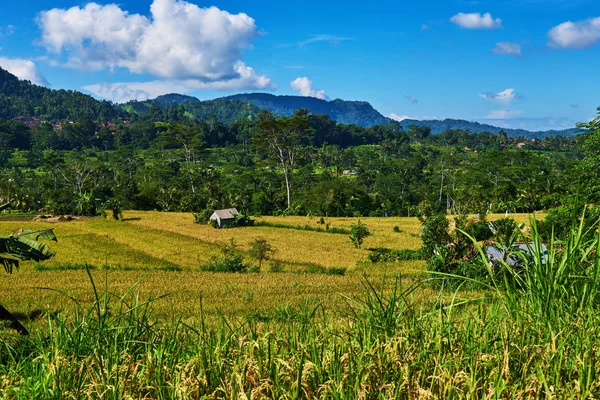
317	200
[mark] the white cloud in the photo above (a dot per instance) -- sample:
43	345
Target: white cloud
24	69
575	35
305	87
476	21
503	114
505	96
507	48
125	91
425	27
399	118
334	40
180	41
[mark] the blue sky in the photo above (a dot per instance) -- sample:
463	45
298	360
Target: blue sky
514	63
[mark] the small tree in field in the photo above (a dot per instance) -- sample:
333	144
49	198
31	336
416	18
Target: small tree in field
359	232
261	250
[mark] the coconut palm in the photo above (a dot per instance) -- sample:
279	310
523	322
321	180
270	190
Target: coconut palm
23	246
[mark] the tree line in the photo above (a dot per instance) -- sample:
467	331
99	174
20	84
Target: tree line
303	164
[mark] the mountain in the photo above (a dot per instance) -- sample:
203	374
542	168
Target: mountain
226	111
438	126
358	113
22	98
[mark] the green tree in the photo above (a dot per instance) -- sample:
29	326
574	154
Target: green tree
280	141
358	233
261	250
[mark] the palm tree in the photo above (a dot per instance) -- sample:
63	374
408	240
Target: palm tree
23	246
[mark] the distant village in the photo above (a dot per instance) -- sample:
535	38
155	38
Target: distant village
32	122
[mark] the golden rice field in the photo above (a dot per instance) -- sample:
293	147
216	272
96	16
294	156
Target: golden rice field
147	244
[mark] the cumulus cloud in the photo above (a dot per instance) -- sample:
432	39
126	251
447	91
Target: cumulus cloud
507	48
125	91
24	69
505	96
305	87
399	118
503	114
180	41
576	35
476	21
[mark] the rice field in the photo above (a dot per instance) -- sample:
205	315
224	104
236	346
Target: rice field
167	250
146	323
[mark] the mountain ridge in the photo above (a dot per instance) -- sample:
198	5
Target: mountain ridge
22	98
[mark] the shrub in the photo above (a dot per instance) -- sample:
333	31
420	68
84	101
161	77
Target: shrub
359	232
230	260
261	250
434	233
383	254
243	220
202	216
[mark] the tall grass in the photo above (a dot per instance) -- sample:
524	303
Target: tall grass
532	334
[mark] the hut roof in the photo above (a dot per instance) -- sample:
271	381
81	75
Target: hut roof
227	213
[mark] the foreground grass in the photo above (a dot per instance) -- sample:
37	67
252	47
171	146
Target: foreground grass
386	344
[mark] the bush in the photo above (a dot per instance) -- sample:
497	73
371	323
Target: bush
261	250
230	260
359	232
202	217
383	254
243	220
434	234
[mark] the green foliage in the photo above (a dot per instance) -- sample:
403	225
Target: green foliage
261	250
383	254
230	260
434	234
560	221
243	220
358	233
203	216
334	230
24	246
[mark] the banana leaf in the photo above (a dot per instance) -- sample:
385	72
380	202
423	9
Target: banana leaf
4	206
24	246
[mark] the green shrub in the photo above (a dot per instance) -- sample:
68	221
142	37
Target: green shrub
202	217
358	233
230	260
384	254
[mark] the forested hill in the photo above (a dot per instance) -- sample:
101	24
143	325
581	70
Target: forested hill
22	98
359	113
226	111
438	126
